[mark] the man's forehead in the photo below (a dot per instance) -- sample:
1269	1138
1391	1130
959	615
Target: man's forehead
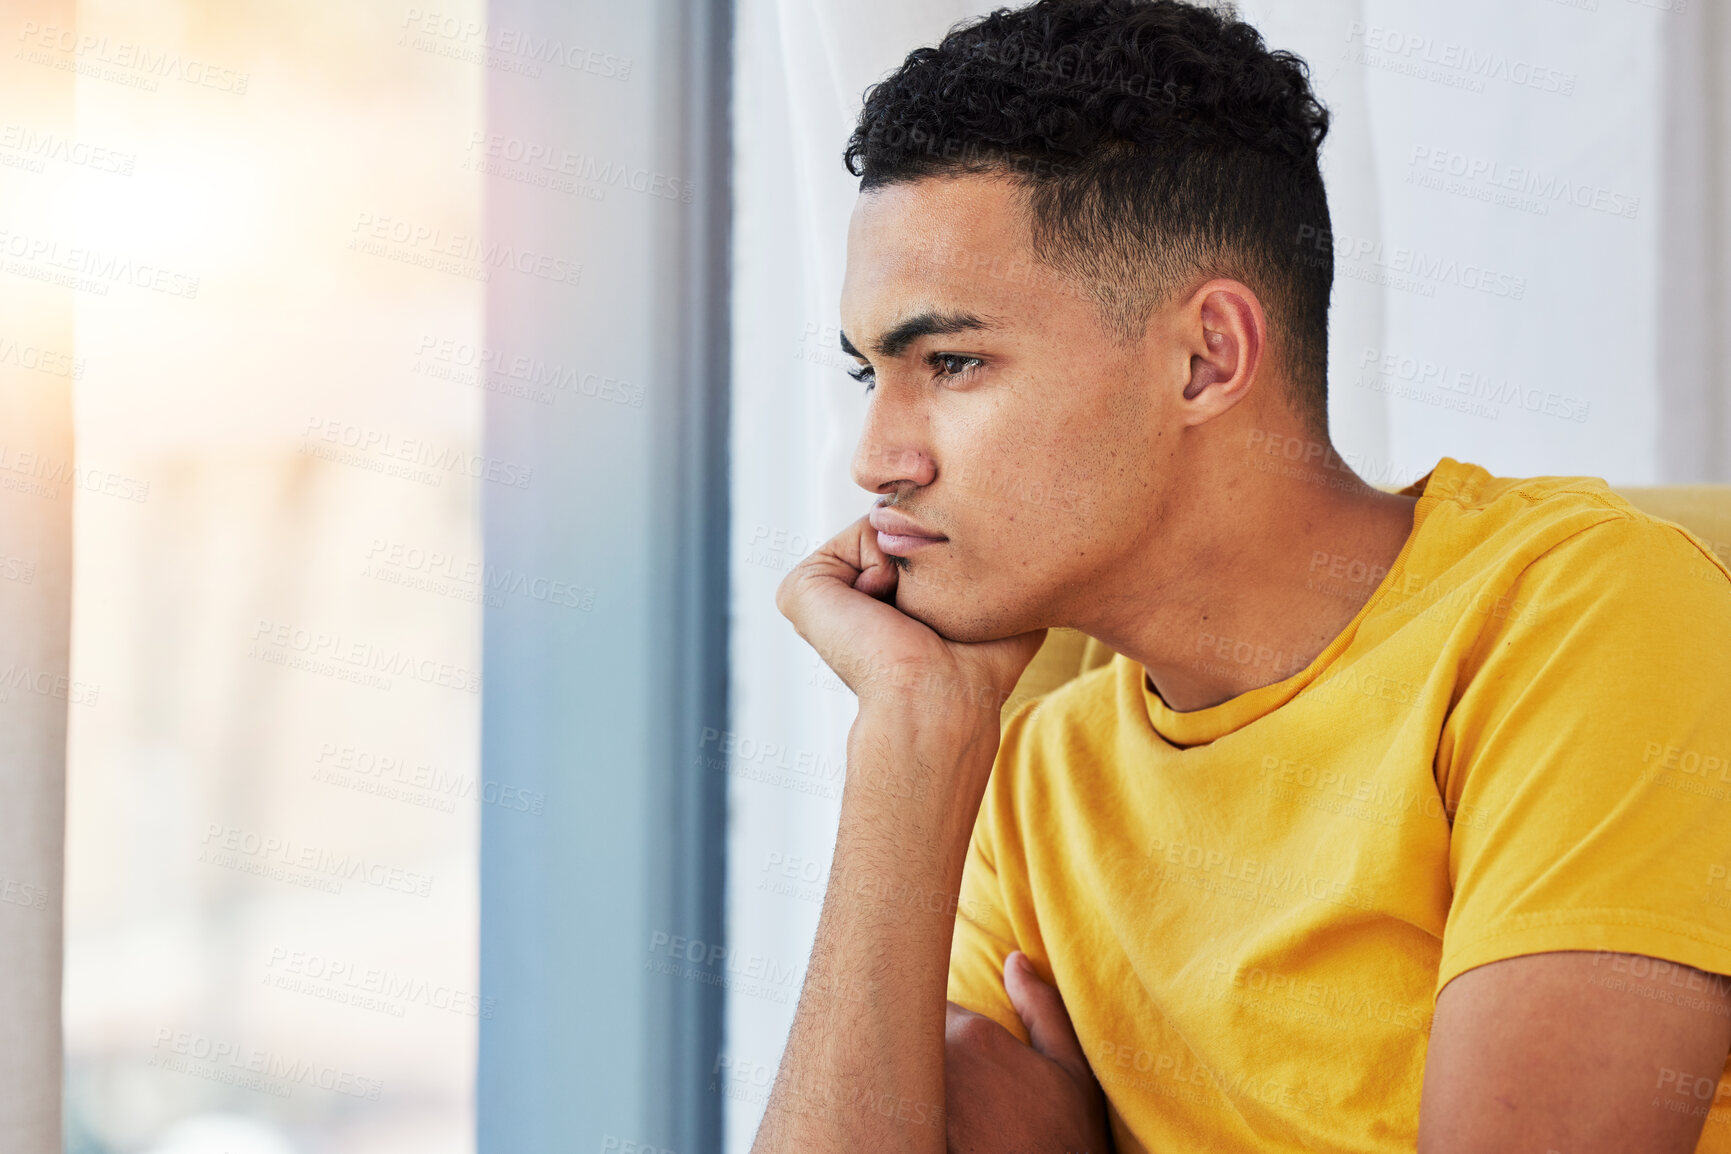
933	222
932	246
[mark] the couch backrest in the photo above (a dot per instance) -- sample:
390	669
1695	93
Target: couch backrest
1704	510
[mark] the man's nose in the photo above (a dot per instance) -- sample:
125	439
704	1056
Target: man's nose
888	456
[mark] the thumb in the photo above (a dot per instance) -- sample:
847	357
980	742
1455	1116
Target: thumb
1041	1009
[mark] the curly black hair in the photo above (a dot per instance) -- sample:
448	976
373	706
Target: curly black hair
1155	143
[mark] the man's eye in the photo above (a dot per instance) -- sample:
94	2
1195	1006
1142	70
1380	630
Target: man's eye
864	373
954	364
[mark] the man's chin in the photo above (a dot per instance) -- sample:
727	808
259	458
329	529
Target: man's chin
953	616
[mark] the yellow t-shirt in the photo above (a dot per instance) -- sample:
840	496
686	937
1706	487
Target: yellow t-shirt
1521	743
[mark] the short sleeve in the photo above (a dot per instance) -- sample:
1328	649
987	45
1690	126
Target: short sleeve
1587	760
984	933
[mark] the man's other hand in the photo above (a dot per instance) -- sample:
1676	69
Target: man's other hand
1002	1097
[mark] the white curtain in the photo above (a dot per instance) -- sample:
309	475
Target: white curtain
1530	244
1693	210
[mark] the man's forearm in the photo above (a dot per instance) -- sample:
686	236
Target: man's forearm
864	1064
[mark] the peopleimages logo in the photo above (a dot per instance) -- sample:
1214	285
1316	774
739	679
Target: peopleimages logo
405	564
1423	372
1410	268
36	147
253	1067
519	374
41	475
552	160
419	243
17	678
1485	177
1449	62
396	777
89	269
282	642
227	845
379	449
469	39
368	987
40	360
87	53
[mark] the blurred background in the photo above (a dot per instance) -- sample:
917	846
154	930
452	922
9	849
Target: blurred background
407	412
271	843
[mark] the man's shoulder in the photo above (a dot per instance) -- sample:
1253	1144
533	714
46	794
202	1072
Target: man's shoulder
1557	505
1591	590
1601	539
1530	525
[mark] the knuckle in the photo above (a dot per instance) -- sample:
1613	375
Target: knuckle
972	1032
784	594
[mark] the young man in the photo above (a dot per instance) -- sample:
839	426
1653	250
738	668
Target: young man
1397	822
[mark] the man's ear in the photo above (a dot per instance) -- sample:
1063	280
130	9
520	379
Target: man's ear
1225	331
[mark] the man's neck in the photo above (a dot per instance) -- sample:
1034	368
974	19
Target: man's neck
1265	583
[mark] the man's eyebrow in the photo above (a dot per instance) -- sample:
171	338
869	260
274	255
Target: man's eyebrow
931	322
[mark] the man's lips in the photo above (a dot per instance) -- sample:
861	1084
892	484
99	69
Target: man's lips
899	534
